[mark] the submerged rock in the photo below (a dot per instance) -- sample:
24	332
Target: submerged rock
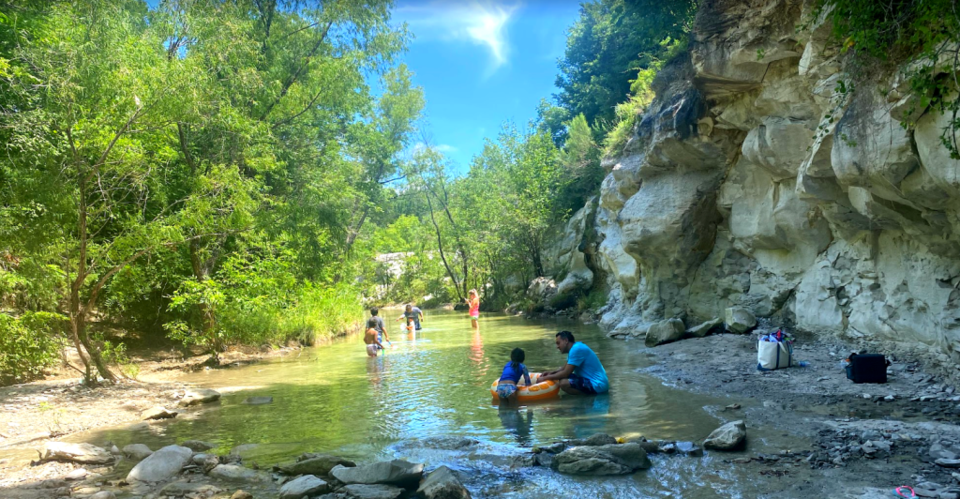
198	445
158	412
368	491
76	453
664	332
731	436
191	489
739	319
161	465
397	472
615	459
443	483
137	452
199	396
317	465
306	485
595	439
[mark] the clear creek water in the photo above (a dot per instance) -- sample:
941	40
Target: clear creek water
435	383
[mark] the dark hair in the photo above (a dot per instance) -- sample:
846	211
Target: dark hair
517	357
409	307
372	323
374	311
567	335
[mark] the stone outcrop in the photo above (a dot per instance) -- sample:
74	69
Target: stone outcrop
76	453
751	181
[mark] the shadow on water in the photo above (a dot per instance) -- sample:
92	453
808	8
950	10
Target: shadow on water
435	383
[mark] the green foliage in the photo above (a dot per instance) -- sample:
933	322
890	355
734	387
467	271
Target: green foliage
923	33
612	40
592	302
28	344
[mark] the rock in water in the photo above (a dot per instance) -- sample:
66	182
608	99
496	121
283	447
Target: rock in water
189	489
615	459
363	491
664	332
76	453
137	452
701	330
161	465
739	319
731	436
443	483
595	439
306	485
397	472
158	412
198	445
317	465
235	472
199	396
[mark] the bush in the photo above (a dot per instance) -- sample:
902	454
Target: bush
28	344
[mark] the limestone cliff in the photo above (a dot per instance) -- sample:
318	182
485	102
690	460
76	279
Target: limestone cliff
751	181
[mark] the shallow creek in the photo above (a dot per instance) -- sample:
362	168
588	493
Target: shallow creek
435	383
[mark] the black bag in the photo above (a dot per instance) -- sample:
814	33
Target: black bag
867	368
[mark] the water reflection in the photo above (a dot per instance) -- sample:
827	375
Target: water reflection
517	424
375	366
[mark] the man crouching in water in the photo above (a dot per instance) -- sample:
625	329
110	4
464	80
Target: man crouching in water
370	338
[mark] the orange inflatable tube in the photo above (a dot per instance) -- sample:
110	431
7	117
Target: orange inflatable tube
536	391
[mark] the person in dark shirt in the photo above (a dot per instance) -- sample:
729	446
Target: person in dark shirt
380	326
414	314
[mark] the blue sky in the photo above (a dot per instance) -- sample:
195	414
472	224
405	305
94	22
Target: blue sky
482	63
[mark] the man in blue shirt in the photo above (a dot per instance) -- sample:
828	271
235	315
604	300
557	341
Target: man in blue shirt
583	374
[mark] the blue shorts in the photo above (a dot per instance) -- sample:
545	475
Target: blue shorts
582	384
505	390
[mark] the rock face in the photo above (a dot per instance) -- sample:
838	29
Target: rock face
613	459
731	436
397	472
199	396
739	319
306	485
751	183
76	453
443	483
664	332
161	465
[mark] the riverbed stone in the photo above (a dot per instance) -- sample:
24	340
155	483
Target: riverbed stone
240	494
103	494
594	440
397	472
77	474
306	485
443	483
369	491
615	459
197	396
320	464
731	436
161	465
158	412
198	445
76	453
137	452
739	319
192	489
238	473
704	328
666	331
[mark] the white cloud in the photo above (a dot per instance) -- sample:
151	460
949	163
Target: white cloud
484	24
443	148
446	148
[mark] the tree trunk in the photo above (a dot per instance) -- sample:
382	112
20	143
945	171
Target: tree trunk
207	317
443	257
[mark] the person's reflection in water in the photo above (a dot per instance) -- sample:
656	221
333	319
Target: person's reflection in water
476	353
516	423
375	370
589	415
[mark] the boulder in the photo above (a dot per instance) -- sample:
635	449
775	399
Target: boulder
137	452
161	465
703	329
615	459
443	483
664	332
592	440
198	445
199	396
158	412
76	453
731	436
370	491
306	485
739	319
317	465
236	472
397	472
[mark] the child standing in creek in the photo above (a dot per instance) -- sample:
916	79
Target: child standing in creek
474	301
